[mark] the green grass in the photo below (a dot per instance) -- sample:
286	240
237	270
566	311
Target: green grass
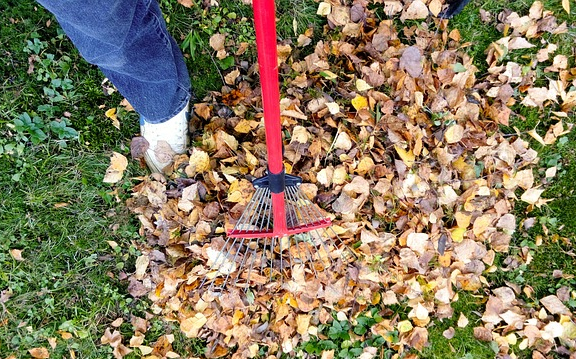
463	345
60	217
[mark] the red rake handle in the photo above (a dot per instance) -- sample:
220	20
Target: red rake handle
265	25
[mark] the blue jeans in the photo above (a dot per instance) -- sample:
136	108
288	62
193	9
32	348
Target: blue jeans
128	41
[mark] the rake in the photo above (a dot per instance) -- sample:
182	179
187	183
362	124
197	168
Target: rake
281	228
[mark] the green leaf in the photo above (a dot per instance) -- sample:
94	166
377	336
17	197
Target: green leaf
458	67
226	63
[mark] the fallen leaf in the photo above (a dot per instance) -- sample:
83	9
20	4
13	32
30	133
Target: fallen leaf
343	141
454	134
416	10
411	60
217	41
115	171
192	325
111	114
39	353
532	195
16	254
138	147
359	102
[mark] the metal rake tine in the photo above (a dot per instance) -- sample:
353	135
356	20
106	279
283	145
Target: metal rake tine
241	266
294	198
254	253
255	205
329	228
309	217
233	261
214	265
307	210
291	261
263	256
297	195
247	210
265	212
345	246
272	246
308	253
281	255
292	208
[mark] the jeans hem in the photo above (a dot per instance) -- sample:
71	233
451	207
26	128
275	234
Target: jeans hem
181	105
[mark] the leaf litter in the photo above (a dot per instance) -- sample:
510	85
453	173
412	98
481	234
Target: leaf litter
392	132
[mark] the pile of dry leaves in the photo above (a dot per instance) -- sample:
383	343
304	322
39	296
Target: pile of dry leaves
396	136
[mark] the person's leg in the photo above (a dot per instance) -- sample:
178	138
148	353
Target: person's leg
128	41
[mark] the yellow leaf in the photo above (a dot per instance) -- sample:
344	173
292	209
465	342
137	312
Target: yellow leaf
435	7
243	126
300	134
251	160
302	323
566	6
141	266
362	85
537	137
481	224
339	175
111	114
407	156
569	327
324	9
405	326
199	162
238	314
454	134
462	219
462	321
512	339
457	234
366	165
191	325
532	195
52	341
359	102
115	171
145	349
329	75
343	141
65	335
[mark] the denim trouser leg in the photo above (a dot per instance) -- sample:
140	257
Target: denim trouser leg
128	41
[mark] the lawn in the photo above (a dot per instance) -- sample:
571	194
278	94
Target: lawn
70	244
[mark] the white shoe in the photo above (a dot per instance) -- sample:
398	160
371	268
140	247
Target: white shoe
165	140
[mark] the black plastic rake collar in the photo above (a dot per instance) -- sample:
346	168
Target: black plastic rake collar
278	182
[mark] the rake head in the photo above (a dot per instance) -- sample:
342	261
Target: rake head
259	251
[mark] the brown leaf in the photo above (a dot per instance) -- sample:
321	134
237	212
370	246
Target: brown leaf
39	353
138	147
16	254
482	334
186	3
217	41
554	305
416	10
411	59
